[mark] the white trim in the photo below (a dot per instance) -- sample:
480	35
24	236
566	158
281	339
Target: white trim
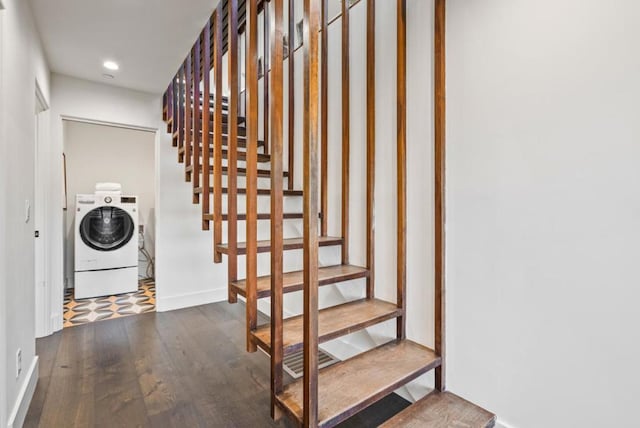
19	413
42	100
502	424
107	123
188	300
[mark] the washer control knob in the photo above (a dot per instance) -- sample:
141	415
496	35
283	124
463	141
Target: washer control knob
108	199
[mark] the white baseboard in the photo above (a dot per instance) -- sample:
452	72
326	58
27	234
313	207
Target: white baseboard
171	303
19	412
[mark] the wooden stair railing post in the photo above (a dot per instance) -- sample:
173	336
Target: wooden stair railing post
198	119
188	122
232	157
206	114
439	171
251	91
371	143
217	137
346	125
265	73
291	95
181	110
401	143
276	115
310	202
174	109
324	124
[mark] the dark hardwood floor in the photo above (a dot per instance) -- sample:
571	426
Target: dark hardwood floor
185	368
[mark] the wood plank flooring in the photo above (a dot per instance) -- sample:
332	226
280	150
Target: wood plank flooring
185	368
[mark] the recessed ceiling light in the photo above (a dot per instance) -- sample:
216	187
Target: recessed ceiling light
111	65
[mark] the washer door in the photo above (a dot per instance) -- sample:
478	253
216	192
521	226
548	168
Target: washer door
106	228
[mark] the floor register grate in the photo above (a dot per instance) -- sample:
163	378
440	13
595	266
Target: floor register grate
294	363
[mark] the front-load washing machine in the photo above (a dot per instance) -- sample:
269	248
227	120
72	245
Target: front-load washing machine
106	244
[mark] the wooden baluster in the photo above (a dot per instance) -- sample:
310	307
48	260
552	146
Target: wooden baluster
346	124
188	121
401	143
232	148
251	90
181	111
206	129
324	124
371	143
198	119
277	123
217	138
310	202
291	95
439	171
175	108
265	74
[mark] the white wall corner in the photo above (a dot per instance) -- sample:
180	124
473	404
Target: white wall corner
21	406
1	5
187	300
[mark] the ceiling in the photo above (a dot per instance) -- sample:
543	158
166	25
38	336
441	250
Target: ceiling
147	38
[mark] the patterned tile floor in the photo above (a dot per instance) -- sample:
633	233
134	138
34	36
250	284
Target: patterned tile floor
77	312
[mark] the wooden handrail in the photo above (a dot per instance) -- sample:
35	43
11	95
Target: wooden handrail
346	131
232	157
251	81
277	122
206	94
439	176
198	119
324	124
401	143
312	12
265	75
188	121
217	139
371	143
292	99
181	110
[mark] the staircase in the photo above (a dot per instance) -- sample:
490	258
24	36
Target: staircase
217	139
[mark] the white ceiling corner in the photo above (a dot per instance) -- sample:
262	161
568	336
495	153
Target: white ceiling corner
148	39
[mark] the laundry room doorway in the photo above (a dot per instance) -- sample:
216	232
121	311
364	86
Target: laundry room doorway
109	249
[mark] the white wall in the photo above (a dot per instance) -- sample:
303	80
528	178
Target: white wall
99	153
543	225
22	64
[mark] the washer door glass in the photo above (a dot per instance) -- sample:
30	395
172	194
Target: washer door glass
106	228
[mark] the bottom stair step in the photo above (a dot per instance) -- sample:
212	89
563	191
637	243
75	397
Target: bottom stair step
352	385
333	322
442	410
292	281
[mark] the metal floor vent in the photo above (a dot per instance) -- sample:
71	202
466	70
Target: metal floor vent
294	364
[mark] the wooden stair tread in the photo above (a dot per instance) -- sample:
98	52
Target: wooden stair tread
347	387
262	173
261	192
261	216
292	281
287	244
242	156
442	410
333	322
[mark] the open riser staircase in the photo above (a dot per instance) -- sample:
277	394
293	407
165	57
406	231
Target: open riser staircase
273	237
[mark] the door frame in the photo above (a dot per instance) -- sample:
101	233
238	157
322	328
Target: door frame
42	274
